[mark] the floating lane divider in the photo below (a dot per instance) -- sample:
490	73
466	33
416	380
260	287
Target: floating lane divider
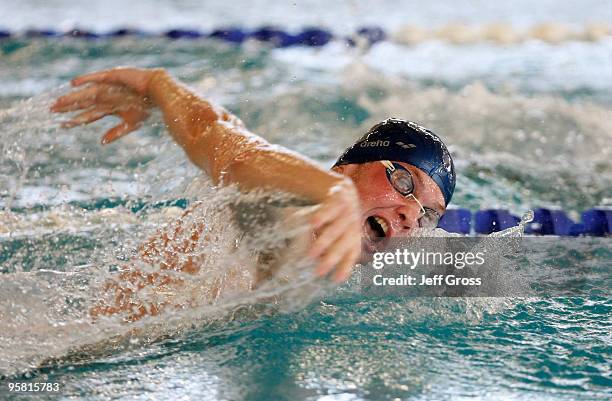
312	37
502	34
594	222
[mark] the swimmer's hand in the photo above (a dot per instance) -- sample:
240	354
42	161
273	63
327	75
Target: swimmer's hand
219	144
122	92
338	240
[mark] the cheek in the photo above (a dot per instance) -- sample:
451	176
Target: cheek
374	191
431	195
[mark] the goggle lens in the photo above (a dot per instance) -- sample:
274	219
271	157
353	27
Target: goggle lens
401	180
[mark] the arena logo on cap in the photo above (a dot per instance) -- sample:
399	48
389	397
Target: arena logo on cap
368	144
405	145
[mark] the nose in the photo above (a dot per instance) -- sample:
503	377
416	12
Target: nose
408	216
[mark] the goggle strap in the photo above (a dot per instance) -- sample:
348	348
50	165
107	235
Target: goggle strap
388	165
423	212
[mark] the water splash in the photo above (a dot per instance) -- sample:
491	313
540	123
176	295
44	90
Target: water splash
60	253
48	314
518	230
56	230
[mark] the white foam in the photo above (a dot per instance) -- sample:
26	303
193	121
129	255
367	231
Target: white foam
343	17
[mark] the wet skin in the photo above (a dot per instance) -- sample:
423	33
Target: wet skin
378	198
219	144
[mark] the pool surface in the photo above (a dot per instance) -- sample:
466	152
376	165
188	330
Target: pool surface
529	125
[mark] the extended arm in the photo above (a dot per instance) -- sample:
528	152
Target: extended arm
219	143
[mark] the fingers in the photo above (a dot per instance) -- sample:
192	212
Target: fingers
325	214
88	116
132	119
328	236
117	132
134	78
76	100
338	246
102	100
340	255
96	94
98	76
339	233
344	268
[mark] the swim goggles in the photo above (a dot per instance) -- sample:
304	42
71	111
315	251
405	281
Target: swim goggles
401	180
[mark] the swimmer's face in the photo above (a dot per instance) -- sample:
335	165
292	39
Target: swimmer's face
386	212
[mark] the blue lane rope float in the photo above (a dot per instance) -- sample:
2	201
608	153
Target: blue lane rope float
594	222
231	35
364	36
311	37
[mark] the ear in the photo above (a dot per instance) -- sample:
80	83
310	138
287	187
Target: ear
338	169
345	169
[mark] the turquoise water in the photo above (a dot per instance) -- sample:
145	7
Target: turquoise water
529	125
350	348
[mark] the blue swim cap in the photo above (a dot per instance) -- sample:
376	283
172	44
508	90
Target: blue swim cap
405	141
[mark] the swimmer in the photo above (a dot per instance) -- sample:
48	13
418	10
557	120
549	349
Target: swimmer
398	177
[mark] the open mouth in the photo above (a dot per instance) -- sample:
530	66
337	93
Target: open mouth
376	228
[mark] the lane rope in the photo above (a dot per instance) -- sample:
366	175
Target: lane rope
459	34
593	222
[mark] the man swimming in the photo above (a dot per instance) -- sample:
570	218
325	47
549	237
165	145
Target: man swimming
396	178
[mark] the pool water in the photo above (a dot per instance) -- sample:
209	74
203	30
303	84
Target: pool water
529	125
